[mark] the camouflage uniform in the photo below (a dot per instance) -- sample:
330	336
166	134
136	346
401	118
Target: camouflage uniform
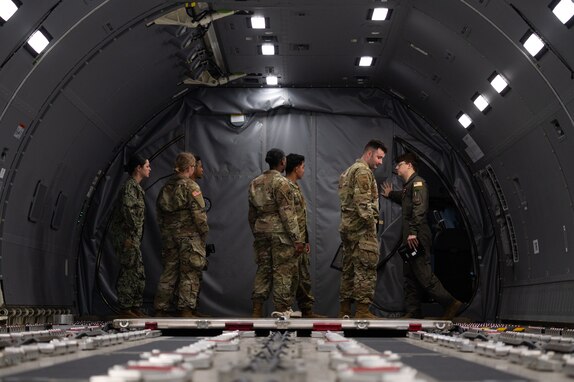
183	226
272	221
359	216
127	230
419	278
303	294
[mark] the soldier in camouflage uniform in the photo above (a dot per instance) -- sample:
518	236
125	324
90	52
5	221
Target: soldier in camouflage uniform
277	239
183	226
294	170
419	278
359	217
126	229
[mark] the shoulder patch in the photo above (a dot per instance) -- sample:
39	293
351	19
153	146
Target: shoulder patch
196	193
418	184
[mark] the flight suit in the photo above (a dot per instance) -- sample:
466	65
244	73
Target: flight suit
305	299
359	216
274	225
182	221
126	229
419	278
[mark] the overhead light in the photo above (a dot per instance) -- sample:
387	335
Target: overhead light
272	80
563	9
366	61
237	120
480	102
7	9
498	83
268	49
464	120
379	14
39	41
258	22
533	44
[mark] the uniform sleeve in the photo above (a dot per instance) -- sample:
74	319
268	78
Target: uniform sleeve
396	196
284	199
363	198
420	206
198	211
252	215
131	207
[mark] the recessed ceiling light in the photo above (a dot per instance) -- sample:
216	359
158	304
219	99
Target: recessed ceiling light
532	43
38	41
480	102
564	10
464	120
366	61
380	14
268	49
7	9
498	83
258	22
272	80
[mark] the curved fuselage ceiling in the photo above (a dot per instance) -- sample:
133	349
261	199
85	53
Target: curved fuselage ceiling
109	67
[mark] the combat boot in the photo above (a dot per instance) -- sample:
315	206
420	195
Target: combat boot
308	313
345	309
452	310
257	309
188	313
363	312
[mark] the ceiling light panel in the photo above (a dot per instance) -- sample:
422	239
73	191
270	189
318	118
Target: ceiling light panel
366	61
533	44
480	102
271	80
7	9
38	41
464	120
564	10
268	49
257	22
379	14
498	83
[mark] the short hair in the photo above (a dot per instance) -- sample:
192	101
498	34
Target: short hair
183	161
274	157
293	160
375	144
134	161
408	158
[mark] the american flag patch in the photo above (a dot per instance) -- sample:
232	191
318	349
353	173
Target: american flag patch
418	184
196	193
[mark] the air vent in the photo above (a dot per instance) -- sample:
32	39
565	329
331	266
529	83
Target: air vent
58	212
269	69
497	188
268	38
512	238
374	40
300	47
37	205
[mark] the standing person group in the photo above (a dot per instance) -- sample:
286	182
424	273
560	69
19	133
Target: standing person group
278	220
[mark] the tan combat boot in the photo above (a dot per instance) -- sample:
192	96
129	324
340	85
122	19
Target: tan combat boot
257	309
308	313
363	312
345	309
